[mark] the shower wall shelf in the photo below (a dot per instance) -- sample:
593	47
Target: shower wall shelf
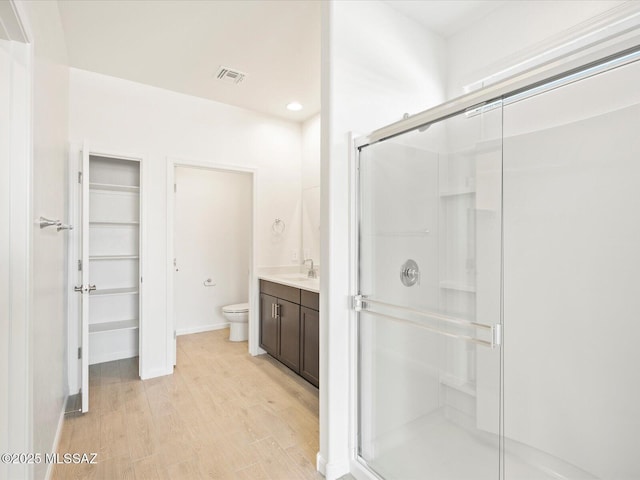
455	383
458	192
459	286
407	233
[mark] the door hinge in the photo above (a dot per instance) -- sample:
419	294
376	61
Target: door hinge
79	177
79	265
175	188
79	353
140	279
358	303
496	337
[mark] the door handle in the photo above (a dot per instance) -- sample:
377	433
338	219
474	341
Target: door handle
82	288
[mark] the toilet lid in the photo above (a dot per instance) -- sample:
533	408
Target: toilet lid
237	308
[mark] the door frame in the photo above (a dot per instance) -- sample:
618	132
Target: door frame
74	254
254	304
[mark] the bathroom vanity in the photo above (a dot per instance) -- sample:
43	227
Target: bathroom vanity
289	323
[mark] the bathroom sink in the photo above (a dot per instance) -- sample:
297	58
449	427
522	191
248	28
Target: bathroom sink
298	277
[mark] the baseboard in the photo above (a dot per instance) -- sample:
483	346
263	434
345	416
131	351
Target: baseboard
202	328
321	464
56	439
156	372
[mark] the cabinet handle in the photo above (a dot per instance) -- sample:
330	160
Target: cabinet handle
273	310
277	310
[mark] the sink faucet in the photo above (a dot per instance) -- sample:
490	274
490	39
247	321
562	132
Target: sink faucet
312	271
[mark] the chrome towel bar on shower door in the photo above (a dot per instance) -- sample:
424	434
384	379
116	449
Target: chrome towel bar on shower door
363	303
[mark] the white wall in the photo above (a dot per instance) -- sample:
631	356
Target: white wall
50	136
120	115
311	189
311	152
377	65
212	232
511	33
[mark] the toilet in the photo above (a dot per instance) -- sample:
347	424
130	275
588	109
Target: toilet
238	317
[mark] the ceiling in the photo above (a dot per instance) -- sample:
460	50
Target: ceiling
445	17
179	46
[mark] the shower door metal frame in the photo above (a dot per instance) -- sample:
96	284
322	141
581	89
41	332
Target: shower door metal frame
509	91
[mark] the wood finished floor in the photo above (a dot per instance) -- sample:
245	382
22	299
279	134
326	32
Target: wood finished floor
222	415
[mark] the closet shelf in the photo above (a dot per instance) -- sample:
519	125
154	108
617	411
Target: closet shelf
114	188
114	291
112	326
113	223
113	257
452	285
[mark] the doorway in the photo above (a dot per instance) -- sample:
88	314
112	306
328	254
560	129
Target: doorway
210	230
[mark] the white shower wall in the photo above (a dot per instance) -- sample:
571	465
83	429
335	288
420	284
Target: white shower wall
571	263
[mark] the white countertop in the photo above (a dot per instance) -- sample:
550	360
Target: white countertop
296	280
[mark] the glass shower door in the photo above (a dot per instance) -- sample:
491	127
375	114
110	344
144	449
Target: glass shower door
429	306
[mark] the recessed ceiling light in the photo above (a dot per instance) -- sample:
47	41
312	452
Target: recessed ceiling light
294	106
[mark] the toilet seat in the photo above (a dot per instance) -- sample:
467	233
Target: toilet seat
236	308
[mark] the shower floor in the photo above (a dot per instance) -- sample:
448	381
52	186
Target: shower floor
437	448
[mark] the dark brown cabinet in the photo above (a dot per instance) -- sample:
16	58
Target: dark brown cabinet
289	327
269	331
309	345
289	314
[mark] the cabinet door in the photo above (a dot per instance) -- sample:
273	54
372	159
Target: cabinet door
269	331
310	345
289	334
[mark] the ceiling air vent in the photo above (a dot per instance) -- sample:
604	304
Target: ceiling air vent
229	75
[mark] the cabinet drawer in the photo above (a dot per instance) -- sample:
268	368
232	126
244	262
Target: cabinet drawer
310	300
281	291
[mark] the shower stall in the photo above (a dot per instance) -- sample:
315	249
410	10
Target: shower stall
498	286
